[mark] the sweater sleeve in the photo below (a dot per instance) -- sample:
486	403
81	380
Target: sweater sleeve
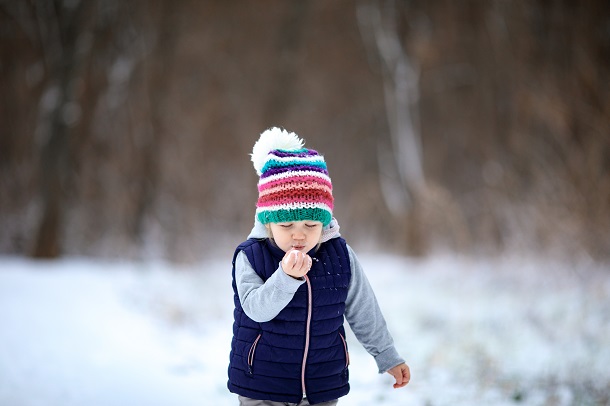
364	316
261	300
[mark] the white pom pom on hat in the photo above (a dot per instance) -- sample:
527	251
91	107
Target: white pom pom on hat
272	139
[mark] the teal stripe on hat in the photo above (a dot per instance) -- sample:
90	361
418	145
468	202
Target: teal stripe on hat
294	151
286	216
272	163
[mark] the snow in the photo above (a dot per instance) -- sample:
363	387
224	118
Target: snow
474	331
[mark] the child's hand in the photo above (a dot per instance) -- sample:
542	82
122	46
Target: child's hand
296	263
402	374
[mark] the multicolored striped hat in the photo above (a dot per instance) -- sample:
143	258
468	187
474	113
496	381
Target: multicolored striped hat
294	183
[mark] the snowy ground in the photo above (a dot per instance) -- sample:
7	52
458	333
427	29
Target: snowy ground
475	332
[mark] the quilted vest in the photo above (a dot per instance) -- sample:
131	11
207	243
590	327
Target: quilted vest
303	349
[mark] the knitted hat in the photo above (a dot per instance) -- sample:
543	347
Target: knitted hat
294	183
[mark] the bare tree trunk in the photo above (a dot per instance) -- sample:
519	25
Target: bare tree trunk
158	88
401	168
60	30
400	85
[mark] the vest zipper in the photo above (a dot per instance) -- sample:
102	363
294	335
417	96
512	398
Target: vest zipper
307	331
251	354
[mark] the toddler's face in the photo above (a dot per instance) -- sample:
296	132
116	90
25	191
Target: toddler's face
299	235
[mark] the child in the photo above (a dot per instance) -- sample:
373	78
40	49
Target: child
294	280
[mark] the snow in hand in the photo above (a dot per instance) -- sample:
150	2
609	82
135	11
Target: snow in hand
474	332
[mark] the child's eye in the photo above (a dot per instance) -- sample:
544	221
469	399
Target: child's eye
311	225
285	225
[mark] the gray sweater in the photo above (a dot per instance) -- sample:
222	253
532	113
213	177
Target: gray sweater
262	301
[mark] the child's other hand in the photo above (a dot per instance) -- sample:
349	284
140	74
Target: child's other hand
402	374
296	263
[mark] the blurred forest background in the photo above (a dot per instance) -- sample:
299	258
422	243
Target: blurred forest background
479	127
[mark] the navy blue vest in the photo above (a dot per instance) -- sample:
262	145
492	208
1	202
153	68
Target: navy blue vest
266	359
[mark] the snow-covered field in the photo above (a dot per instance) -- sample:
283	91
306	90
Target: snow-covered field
474	332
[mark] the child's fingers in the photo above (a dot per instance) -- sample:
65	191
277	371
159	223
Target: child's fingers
296	263
398	378
290	259
307	263
401	374
294	260
300	260
303	263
